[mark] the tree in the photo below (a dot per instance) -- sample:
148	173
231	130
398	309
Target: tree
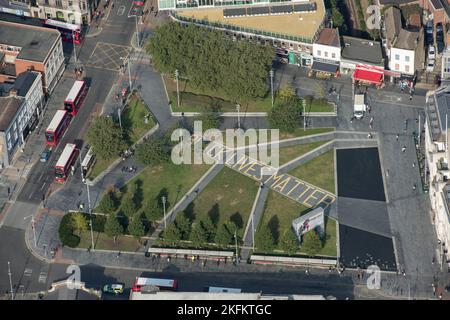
136	227
79	222
128	205
106	138
184	225
223	236
113	228
286	93
153	211
65	232
311	243
153	152
285	115
208	227
172	234
288	242
108	204
264	241
210	120
197	235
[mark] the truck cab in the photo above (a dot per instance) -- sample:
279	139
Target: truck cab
360	106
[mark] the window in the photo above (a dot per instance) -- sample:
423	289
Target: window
406	68
326	54
407	58
333	55
70	3
319	53
397	57
397	66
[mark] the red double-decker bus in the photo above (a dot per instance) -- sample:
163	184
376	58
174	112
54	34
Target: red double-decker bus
76	96
65	162
57	127
69	32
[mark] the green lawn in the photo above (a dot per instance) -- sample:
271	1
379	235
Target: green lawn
300	132
278	214
135	127
194	100
289	153
103	242
133	120
318	171
229	196
169	180
320	105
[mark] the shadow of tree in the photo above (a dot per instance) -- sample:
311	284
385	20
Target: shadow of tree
273	225
214	214
189	211
163	193
236	218
138	196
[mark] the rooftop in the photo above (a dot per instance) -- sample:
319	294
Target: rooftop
366	51
398	2
329	37
407	40
8	109
34	41
393	24
24	82
438	106
298	24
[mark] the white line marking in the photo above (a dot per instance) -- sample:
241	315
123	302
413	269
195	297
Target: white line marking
43	185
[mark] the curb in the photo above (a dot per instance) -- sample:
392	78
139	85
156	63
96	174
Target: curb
30	247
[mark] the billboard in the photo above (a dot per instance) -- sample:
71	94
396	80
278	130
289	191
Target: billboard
310	221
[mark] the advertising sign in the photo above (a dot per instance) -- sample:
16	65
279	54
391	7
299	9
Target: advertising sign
308	222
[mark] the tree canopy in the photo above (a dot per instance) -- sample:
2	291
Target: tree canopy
106	138
211	60
153	152
113	228
286	113
311	243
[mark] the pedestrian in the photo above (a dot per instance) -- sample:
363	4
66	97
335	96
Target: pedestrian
410	97
369	135
193	259
403	148
387	173
329	269
414	187
371	120
396	137
414	164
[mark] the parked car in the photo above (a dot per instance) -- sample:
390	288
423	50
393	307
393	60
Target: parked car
430	65
440	46
439	28
45	155
429	26
113	288
431	53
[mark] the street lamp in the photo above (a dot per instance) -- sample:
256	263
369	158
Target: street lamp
271	83
235	243
33	227
304	114
137	32
74	48
10	281
177	74
164	208
238	108
83	180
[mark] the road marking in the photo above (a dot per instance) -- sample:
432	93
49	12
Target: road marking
28	272
40	177
43	185
121	11
43	277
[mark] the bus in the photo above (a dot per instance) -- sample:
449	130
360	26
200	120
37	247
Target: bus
65	162
69	32
162	284
88	162
75	97
57	127
223	290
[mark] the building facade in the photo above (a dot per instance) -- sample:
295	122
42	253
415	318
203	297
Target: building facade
78	12
12	122
327	52
29	48
407	53
437	165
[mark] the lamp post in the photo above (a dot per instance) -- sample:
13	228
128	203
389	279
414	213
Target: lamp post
235	243
164	208
177	74
10	281
83	180
238	108
33	227
271	83
137	32
304	114
129	72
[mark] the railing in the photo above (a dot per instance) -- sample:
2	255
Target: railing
225	26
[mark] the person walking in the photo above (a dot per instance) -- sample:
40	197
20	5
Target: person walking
396	137
403	148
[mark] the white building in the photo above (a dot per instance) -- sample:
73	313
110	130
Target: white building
445	71
437	164
12	114
72	11
407	53
327	51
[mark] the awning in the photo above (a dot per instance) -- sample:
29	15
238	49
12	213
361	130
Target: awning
368	76
325	67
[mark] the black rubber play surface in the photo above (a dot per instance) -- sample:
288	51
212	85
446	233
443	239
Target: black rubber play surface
360	248
359	174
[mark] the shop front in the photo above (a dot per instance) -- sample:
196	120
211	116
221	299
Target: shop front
324	69
368	75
